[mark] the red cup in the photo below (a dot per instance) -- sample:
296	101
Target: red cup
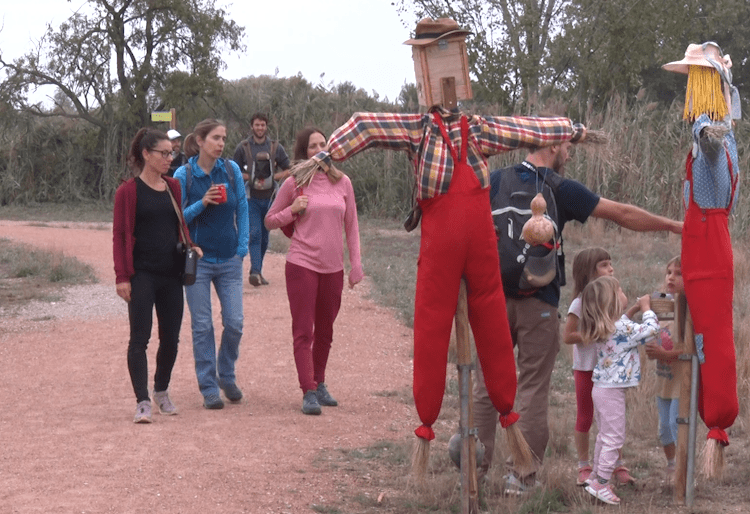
222	188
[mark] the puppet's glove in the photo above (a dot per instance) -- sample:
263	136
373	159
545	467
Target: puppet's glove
579	133
323	159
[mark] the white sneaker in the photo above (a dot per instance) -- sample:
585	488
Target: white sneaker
602	491
165	405
143	412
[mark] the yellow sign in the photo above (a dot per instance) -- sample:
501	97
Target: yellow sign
161	116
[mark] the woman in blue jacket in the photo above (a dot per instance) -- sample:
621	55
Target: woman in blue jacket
215	207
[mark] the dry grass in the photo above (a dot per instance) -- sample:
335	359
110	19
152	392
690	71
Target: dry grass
28	274
639	260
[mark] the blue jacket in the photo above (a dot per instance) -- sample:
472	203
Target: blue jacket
222	231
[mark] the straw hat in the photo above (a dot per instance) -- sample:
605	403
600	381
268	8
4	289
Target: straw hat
707	54
429	30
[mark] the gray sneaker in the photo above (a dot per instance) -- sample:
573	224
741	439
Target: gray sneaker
324	397
143	412
310	403
232	392
213	402
164	404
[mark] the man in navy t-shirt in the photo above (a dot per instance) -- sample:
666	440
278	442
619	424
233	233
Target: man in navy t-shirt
534	321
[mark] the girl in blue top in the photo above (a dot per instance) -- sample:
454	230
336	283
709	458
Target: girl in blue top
618	367
215	207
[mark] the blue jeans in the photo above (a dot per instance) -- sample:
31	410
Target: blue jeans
257	209
668	412
227	280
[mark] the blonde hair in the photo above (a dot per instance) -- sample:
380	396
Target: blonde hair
704	94
601	307
676	261
584	267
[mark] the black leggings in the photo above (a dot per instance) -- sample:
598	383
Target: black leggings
149	290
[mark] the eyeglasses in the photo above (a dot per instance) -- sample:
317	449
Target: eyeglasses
166	154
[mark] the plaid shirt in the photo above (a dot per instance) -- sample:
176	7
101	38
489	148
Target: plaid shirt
417	135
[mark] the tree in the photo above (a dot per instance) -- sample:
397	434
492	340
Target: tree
524	52
114	61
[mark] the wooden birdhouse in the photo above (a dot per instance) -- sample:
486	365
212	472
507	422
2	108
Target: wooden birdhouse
441	63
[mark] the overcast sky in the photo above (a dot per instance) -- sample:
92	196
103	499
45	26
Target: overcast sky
359	41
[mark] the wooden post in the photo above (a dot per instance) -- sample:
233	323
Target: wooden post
683	371
173	121
469	487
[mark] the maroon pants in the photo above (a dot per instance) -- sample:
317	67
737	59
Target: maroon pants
314	301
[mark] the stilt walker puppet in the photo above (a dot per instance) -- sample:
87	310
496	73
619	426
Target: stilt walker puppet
449	151
710	190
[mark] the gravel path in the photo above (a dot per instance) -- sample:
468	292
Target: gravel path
68	404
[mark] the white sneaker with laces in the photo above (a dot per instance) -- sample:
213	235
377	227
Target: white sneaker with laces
165	405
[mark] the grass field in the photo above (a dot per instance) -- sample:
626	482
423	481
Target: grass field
639	259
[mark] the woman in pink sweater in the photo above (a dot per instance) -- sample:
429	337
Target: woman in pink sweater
318	206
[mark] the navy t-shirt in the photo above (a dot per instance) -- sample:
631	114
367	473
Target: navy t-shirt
574	202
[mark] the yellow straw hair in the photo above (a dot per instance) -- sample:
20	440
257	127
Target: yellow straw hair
704	94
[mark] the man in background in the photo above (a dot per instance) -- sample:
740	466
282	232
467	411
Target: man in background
178	157
263	162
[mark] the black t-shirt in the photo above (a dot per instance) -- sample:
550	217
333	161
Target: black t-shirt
574	202
156	232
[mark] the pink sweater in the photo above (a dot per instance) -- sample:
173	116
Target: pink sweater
317	243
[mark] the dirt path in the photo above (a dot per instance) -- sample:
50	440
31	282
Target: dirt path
67	403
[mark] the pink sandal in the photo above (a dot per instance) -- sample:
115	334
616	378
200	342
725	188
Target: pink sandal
621	474
583	475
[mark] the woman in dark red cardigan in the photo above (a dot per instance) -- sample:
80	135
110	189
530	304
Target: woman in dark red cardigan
147	265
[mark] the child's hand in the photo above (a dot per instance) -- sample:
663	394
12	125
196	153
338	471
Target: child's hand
653	350
644	302
632	310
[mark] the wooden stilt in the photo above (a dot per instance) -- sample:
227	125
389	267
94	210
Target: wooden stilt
469	487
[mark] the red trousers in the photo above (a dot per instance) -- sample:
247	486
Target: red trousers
458	240
314	301
708	274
